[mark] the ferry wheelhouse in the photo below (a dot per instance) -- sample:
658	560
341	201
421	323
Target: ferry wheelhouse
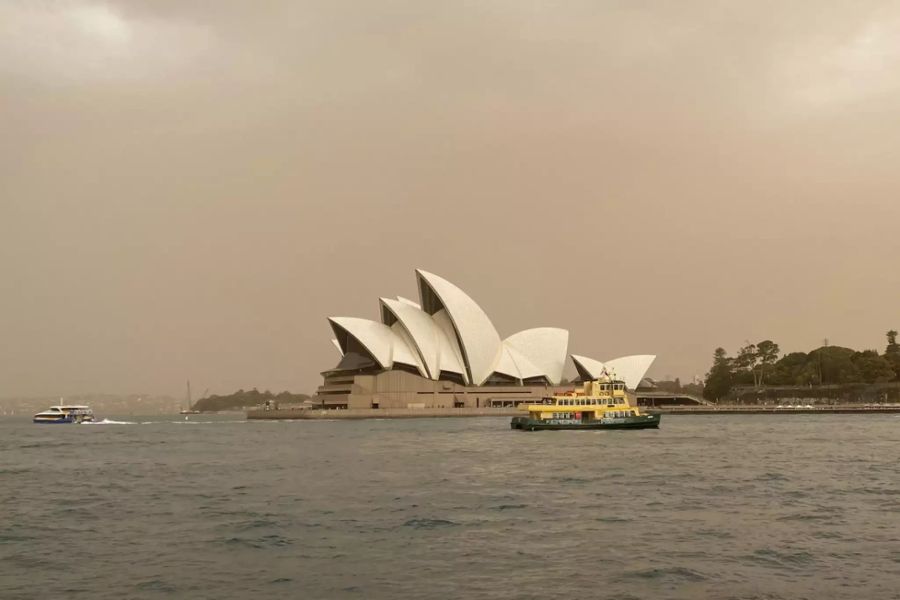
600	404
65	413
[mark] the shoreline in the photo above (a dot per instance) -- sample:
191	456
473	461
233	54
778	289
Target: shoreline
432	413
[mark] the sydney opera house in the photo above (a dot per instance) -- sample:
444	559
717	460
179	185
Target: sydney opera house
444	352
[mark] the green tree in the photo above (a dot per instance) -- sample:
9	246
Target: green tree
808	373
834	365
873	368
892	353
787	369
766	356
893	347
744	364
720	377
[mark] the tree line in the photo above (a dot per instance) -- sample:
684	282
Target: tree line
761	364
241	399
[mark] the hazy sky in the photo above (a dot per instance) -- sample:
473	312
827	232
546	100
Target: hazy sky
188	189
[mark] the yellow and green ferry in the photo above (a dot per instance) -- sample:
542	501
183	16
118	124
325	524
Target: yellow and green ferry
600	404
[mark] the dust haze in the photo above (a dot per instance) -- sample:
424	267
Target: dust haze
188	189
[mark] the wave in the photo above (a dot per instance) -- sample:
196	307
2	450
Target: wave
667	573
429	523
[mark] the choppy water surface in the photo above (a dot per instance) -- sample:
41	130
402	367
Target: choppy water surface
706	507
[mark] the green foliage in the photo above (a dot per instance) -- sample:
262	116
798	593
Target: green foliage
894	361
873	368
893	347
754	361
720	378
241	399
834	365
787	370
767	352
758	364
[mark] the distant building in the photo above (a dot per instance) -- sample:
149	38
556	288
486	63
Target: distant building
443	351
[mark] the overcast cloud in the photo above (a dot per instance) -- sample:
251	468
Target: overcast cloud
188	189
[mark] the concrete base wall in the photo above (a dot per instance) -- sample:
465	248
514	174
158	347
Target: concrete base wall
383	413
402	390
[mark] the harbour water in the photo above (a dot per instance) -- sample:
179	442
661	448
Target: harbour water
218	507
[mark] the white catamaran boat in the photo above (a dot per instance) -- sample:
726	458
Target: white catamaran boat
65	413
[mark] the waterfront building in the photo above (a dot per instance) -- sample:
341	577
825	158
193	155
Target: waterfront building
444	352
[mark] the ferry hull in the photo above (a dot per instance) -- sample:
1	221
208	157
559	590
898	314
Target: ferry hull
63	421
641	422
64	414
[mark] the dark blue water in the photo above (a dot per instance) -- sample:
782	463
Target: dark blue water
706	507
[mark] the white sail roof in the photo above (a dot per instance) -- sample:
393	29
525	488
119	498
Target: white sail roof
450	332
422	330
449	355
544	347
377	338
404	351
408	301
478	340
515	364
588	368
630	369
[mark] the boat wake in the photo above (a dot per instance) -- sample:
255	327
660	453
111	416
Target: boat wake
109	422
